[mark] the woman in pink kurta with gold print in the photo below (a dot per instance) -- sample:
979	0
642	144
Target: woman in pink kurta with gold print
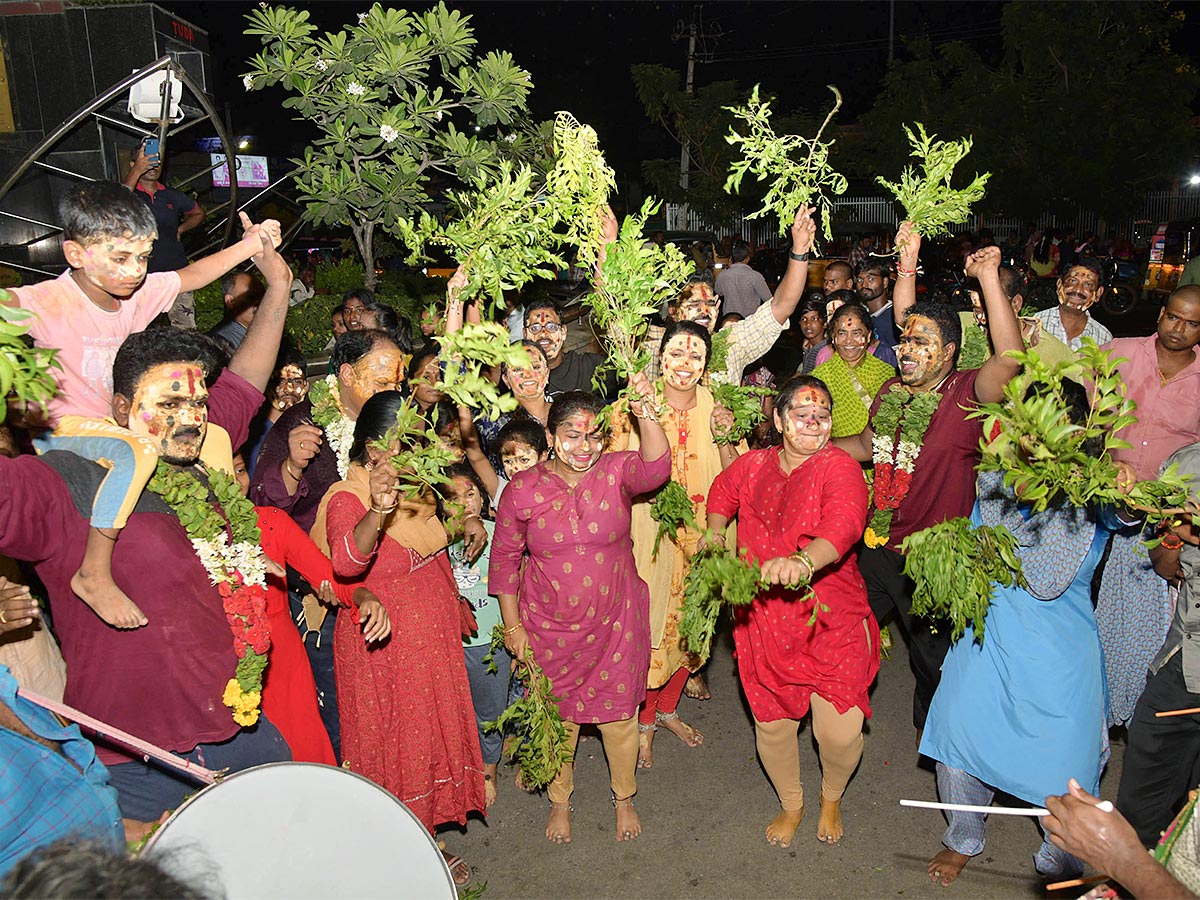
801	508
562	565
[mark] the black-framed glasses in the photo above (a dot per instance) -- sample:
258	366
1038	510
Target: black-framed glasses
548	327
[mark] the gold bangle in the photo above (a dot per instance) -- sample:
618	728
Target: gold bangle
383	511
512	629
287	464
802	556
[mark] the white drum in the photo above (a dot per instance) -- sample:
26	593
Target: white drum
301	830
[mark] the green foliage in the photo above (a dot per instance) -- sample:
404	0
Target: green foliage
542	747
672	509
745	402
396	101
635	280
1042	88
796	168
953	567
718	359
718	576
1044	455
415	451
929	201
581	182
24	371
465	353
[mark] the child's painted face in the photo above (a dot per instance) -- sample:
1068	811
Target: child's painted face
807	422
423	384
467	496
113	265
170	406
683	360
575	443
528	383
517	457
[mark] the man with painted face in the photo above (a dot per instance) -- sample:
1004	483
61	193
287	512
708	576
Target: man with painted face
1079	286
872	280
751	337
302	458
933	446
163	682
570	370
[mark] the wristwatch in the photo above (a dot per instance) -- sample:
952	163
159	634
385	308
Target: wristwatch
798	257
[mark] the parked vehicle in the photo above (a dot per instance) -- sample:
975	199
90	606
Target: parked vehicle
1172	245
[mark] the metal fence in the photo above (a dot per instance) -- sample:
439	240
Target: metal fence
855	214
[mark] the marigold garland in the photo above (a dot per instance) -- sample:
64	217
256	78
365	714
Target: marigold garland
909	413
226	537
328	413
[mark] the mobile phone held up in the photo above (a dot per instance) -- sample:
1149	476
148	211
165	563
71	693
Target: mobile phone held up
150	148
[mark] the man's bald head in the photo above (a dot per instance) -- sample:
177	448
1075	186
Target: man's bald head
1189	292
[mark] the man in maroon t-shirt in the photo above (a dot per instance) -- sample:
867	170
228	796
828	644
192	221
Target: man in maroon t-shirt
943	475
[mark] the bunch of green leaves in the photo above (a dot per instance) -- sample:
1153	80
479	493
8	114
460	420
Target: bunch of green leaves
416	452
719	576
542	748
929	201
796	168
504	233
580	183
953	567
24	370
466	352
399	101
635	280
672	509
745	402
190	499
1045	455
718	358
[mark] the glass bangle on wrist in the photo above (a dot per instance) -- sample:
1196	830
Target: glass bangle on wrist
1171	541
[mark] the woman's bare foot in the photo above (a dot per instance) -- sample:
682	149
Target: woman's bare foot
558	823
946	866
107	600
489	783
629	823
829	825
680	728
646	745
697	687
783	827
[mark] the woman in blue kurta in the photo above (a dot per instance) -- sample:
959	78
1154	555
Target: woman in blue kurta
1023	711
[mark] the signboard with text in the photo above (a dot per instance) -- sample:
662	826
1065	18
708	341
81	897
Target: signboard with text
251	171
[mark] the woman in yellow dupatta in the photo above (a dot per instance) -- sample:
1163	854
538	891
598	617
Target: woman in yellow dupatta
689	419
407	719
853	375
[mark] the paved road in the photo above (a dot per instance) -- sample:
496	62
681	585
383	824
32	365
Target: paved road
704	811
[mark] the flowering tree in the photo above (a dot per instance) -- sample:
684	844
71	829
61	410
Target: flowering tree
385	95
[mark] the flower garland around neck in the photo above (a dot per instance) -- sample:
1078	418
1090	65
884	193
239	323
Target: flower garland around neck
910	413
328	413
225	536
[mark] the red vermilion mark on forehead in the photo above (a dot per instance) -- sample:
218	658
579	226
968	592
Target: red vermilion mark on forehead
191	374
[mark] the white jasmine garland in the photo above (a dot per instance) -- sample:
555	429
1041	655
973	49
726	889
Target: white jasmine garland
388	133
339	432
220	560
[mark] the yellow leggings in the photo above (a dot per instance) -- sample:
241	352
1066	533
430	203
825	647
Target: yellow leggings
839	743
620	741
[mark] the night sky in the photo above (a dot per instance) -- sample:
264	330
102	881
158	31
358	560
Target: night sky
579	55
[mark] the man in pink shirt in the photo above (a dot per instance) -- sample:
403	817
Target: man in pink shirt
1162	373
105	294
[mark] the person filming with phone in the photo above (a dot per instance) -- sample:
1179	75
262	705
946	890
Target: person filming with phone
176	213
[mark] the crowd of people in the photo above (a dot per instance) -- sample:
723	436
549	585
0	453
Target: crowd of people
304	605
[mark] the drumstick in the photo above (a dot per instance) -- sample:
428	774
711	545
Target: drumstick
1076	882
986	810
1178	712
207	776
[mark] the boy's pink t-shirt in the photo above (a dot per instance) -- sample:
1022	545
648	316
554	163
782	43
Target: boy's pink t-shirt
87	337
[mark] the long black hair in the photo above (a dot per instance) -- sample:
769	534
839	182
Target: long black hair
374	419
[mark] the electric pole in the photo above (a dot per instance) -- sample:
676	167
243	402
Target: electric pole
689	87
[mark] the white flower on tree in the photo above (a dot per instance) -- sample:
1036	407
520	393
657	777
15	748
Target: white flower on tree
321	65
388	133
355	89
248	82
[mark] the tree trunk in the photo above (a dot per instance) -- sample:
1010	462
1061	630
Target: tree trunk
364	237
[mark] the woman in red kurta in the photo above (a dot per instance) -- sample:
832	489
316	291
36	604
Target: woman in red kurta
408	721
801	508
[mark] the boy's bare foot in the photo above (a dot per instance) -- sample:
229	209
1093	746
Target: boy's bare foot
946	866
783	827
107	600
489	784
697	687
646	745
680	728
558	823
829	825
629	823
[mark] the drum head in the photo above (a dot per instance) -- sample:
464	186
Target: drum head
301	830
